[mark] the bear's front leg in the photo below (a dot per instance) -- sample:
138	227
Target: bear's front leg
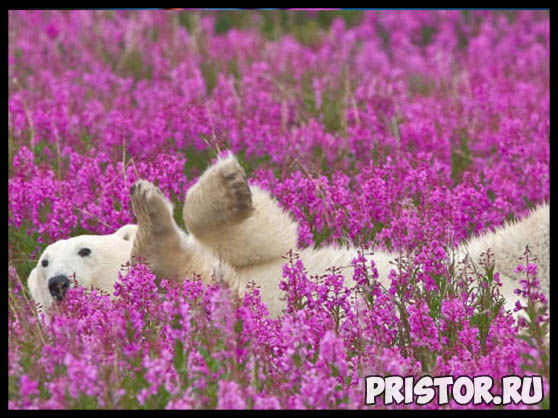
220	198
159	242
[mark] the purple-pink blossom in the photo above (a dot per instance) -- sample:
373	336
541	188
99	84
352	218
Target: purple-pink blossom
407	131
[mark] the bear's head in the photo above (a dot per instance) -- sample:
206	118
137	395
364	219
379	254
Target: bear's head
88	260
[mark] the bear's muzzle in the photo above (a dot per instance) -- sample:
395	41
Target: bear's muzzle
58	285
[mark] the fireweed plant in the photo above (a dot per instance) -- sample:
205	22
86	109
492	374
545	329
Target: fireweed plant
406	131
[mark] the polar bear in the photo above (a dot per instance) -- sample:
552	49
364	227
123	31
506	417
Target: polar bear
239	234
89	260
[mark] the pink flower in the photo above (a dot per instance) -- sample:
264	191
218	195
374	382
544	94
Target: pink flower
28	387
230	396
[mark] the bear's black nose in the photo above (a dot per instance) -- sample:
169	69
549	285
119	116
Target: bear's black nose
58	285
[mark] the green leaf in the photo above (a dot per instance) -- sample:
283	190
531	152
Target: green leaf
178	359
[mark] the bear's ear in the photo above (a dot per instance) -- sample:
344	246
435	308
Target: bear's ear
127	232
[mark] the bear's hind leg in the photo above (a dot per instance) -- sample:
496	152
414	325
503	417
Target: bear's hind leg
220	198
241	225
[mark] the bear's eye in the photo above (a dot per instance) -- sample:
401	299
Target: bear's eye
44	263
84	252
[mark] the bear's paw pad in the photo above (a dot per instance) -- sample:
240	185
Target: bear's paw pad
237	192
148	199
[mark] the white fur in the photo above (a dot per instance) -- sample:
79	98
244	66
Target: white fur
99	269
252	249
507	244
243	237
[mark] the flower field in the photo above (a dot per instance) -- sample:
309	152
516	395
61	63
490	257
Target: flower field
405	131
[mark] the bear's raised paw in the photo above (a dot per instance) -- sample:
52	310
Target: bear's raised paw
238	196
151	207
